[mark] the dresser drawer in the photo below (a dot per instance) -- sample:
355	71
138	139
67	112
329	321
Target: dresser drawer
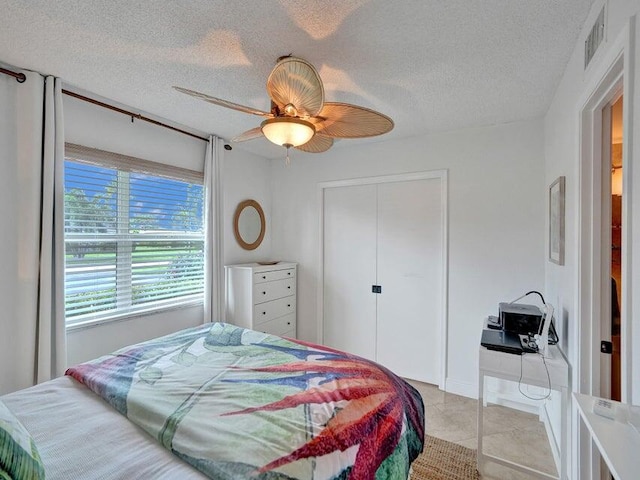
265	292
262	277
278	326
276	308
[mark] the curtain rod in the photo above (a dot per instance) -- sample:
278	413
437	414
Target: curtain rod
20	77
130	114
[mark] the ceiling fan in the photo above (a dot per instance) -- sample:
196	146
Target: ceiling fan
299	116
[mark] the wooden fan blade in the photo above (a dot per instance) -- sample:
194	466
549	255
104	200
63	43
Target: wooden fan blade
223	103
343	120
317	144
295	81
248	135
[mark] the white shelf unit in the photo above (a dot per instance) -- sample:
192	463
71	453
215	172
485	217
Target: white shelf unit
617	440
262	297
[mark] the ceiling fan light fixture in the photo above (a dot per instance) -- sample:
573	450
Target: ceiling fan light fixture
299	117
289	131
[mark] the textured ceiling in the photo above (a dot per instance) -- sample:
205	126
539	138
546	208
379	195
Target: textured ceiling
429	65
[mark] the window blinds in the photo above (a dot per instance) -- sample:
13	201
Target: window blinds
134	235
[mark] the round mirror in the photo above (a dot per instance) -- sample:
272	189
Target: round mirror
249	225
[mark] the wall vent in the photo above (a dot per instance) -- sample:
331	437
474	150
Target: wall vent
594	39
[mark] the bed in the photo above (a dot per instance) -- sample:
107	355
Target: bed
219	401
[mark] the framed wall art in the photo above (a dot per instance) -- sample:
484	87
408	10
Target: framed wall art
556	221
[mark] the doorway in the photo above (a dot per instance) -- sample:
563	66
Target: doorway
610	280
615	136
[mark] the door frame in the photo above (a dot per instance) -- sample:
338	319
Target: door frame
615	74
404	177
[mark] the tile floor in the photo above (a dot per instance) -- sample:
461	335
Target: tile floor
508	433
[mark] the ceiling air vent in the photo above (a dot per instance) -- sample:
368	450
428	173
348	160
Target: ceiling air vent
593	41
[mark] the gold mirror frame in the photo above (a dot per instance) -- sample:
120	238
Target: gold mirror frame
236	231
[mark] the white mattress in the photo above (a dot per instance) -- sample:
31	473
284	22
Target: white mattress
80	436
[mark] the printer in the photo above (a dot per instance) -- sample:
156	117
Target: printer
519	328
520	318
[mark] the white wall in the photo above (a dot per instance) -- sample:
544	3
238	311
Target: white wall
496	221
245	176
562	153
562	157
96	127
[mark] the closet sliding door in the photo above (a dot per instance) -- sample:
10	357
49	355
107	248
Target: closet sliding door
410	274
350	269
389	234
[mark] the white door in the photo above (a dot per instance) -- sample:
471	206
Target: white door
350	269
410	272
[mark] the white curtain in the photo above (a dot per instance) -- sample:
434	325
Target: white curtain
51	348
214	282
32	334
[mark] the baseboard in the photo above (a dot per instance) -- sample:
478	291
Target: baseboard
464	389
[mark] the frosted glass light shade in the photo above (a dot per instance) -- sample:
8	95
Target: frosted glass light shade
290	131
616	181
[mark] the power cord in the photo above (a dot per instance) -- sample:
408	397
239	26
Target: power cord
546	368
529	293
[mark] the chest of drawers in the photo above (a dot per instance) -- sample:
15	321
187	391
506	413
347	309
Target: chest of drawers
262	297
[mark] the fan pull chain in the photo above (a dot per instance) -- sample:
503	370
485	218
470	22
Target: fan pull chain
287	160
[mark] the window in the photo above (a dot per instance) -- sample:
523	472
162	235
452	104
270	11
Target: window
134	235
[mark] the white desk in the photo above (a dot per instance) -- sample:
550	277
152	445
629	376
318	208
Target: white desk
618	442
507	366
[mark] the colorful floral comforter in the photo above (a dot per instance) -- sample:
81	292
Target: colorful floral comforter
236	403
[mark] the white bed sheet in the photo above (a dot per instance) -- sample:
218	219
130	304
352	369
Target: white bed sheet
80	436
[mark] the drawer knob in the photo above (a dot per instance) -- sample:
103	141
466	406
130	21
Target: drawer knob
288	273
264	277
264	293
289	287
288	323
264	313
288	305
